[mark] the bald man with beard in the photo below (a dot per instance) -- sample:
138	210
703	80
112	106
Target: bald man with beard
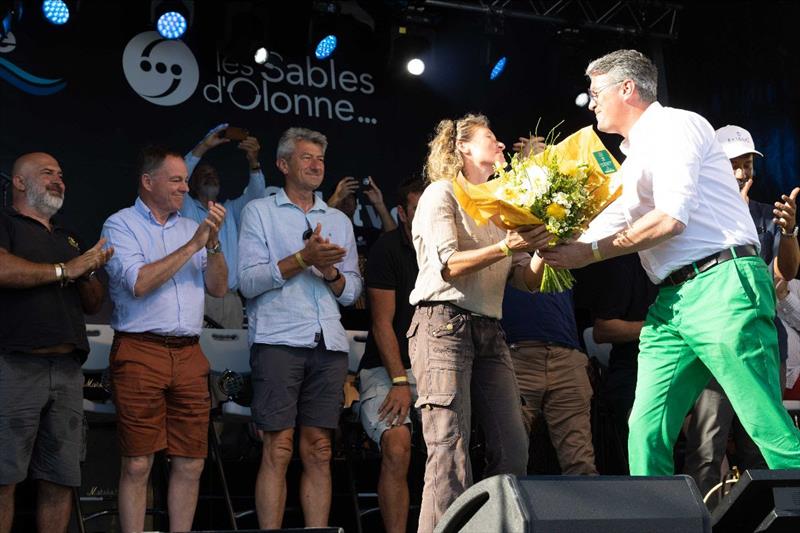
47	283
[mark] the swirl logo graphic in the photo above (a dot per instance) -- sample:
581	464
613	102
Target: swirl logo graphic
163	72
22	79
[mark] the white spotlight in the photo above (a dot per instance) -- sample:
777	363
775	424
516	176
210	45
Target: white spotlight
416	66
261	56
582	100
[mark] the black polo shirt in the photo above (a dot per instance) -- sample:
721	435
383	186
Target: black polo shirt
392	265
46	315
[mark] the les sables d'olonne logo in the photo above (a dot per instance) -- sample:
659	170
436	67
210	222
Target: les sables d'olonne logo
162	71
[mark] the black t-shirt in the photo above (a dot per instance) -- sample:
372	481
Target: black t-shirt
46	315
622	291
392	265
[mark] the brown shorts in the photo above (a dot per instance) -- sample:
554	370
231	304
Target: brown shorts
162	397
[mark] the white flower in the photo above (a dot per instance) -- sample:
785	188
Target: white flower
562	199
538	181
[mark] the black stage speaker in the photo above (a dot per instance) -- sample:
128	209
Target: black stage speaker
579	504
762	500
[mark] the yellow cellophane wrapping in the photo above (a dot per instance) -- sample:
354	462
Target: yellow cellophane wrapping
482	204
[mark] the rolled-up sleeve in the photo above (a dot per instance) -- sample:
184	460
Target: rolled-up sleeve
353	283
128	258
258	271
437	215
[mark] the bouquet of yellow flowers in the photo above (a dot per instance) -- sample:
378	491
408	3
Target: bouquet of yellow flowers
564	187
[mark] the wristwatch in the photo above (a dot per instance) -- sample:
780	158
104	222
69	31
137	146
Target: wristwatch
335	279
214	250
792	233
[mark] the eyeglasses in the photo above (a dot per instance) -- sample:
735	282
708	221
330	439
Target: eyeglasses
593	94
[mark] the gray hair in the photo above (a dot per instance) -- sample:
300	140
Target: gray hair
290	137
628	65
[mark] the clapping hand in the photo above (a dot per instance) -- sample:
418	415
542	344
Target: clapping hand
322	253
89	261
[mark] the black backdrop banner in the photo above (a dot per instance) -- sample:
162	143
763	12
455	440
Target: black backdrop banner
94	91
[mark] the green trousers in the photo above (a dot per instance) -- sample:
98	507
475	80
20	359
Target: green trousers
720	323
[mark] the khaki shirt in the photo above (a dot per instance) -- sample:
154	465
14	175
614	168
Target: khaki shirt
440	228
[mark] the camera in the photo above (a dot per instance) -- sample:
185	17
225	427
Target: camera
235	134
364	184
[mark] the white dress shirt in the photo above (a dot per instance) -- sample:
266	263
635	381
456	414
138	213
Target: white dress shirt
675	164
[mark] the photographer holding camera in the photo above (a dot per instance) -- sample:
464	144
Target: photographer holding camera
346	198
204	187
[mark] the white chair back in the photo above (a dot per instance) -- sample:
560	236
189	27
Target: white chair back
100	338
600	351
358	342
226	349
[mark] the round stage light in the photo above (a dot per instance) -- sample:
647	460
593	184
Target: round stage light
498	68
326	47
55	11
582	100
171	25
416	66
261	56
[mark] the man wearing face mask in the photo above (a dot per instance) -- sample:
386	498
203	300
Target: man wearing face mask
204	186
47	283
712	418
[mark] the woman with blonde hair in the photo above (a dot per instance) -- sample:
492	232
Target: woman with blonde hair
457	348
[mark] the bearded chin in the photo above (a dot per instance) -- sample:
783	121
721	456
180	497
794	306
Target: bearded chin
44	202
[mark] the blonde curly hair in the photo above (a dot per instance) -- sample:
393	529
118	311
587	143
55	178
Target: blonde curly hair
444	161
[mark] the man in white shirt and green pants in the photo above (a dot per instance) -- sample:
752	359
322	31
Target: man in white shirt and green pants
681	211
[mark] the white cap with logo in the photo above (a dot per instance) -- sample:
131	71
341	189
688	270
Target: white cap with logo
736	141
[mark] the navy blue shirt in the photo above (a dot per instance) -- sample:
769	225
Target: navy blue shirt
543	317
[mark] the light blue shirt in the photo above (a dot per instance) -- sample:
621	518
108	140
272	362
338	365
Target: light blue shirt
229	233
292	312
174	308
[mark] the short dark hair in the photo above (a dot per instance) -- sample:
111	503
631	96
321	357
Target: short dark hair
411	185
152	156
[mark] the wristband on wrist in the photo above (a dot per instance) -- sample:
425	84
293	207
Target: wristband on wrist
792	233
255	167
400	380
214	250
401	384
503	245
298	256
596	251
61	274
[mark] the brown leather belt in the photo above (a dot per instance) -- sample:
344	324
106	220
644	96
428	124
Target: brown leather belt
170	341
687	272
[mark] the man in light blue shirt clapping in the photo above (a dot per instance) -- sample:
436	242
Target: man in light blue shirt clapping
204	187
159	373
297	262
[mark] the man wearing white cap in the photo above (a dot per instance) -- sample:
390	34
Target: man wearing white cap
712	418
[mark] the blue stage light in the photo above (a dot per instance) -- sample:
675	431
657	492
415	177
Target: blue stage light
497	69
326	47
55	11
171	25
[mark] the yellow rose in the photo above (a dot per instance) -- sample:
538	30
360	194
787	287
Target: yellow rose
556	211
